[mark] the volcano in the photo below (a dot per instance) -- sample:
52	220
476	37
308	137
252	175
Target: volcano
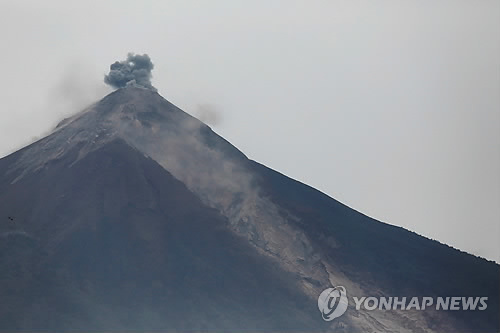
134	216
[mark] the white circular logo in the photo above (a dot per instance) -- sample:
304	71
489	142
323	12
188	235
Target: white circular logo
332	303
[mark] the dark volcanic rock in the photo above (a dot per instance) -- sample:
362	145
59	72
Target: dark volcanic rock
114	242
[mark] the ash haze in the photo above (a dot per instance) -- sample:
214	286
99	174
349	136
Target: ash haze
392	107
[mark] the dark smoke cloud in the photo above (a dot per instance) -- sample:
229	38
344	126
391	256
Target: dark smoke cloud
136	70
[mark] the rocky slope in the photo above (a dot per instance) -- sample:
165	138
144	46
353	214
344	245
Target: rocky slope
134	215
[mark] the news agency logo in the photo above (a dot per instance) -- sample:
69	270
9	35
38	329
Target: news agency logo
332	303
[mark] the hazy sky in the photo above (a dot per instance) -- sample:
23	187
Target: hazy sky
392	107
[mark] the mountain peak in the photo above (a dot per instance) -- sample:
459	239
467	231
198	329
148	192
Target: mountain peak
141	117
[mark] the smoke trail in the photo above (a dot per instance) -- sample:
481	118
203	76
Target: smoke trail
208	114
135	70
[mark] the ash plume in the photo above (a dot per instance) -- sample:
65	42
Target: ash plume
135	70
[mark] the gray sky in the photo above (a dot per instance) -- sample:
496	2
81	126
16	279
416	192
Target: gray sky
392	107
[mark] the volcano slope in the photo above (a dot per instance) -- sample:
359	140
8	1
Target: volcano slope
133	215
